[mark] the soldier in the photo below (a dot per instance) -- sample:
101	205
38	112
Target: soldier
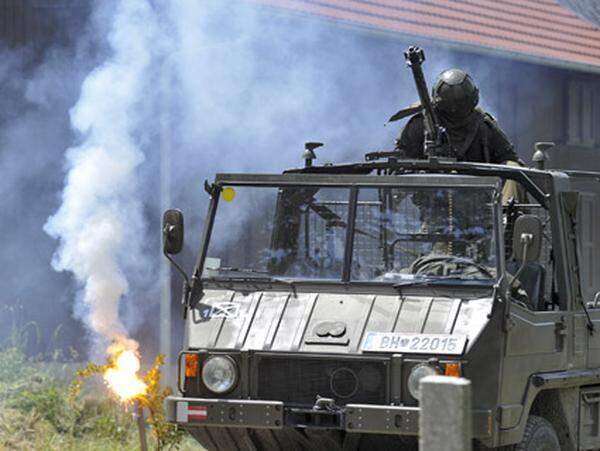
474	135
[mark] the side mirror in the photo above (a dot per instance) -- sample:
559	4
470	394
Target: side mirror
527	238
172	230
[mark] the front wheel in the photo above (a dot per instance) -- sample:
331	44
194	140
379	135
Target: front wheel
539	436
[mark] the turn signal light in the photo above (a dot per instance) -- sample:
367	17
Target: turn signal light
452	369
191	365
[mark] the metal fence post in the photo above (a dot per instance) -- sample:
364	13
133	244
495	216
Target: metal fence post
445	421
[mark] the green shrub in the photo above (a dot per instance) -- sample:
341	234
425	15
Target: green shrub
38	409
49	402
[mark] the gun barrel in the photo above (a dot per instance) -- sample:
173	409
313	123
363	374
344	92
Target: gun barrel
414	59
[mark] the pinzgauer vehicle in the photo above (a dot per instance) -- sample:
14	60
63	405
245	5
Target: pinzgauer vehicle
322	296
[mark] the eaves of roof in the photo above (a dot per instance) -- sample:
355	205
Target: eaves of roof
540	31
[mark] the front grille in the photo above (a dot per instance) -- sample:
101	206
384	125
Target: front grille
299	380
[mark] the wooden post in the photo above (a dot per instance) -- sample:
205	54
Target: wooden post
138	416
445	421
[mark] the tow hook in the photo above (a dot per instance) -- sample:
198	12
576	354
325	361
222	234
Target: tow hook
325	404
324	414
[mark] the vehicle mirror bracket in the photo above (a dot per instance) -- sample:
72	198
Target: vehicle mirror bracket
211	188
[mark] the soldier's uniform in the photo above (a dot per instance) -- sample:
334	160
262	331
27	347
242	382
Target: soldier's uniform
478	138
473	134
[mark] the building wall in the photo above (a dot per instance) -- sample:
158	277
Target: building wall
539	97
36	23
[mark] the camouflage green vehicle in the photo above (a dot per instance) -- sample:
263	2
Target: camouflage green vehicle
323	295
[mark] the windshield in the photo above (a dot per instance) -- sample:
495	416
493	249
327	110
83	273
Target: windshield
399	234
296	232
407	233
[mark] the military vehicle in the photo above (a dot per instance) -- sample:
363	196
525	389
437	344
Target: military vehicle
321	297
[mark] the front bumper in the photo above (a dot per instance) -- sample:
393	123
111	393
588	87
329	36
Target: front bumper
363	418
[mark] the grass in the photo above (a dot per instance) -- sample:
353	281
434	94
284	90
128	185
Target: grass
38	410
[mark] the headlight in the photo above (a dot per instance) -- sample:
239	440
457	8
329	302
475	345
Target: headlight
418	373
219	373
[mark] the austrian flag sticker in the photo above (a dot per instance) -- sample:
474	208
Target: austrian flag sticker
197	413
187	413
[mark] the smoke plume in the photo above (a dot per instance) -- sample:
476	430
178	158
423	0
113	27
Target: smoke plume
100	222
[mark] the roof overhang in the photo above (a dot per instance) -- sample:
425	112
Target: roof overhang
589	64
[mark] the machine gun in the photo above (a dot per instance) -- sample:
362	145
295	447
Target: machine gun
437	142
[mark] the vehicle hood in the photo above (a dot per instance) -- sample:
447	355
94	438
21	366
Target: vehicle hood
311	322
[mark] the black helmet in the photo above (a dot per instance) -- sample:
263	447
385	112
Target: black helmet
455	93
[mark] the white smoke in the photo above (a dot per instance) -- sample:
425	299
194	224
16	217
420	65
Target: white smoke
100	224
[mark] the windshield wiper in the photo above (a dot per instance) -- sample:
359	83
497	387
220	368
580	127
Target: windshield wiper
444	280
242	270
262	278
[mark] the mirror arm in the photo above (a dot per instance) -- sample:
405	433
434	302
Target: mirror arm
196	293
179	268
590	323
526	239
189	290
498	296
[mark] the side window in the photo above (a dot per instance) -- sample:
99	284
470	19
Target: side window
588	239
535	281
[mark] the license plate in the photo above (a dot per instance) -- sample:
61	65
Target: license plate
414	343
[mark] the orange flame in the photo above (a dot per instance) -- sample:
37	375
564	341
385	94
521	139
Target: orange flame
122	376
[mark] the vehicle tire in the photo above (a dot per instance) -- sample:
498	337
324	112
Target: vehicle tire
539	435
288	439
